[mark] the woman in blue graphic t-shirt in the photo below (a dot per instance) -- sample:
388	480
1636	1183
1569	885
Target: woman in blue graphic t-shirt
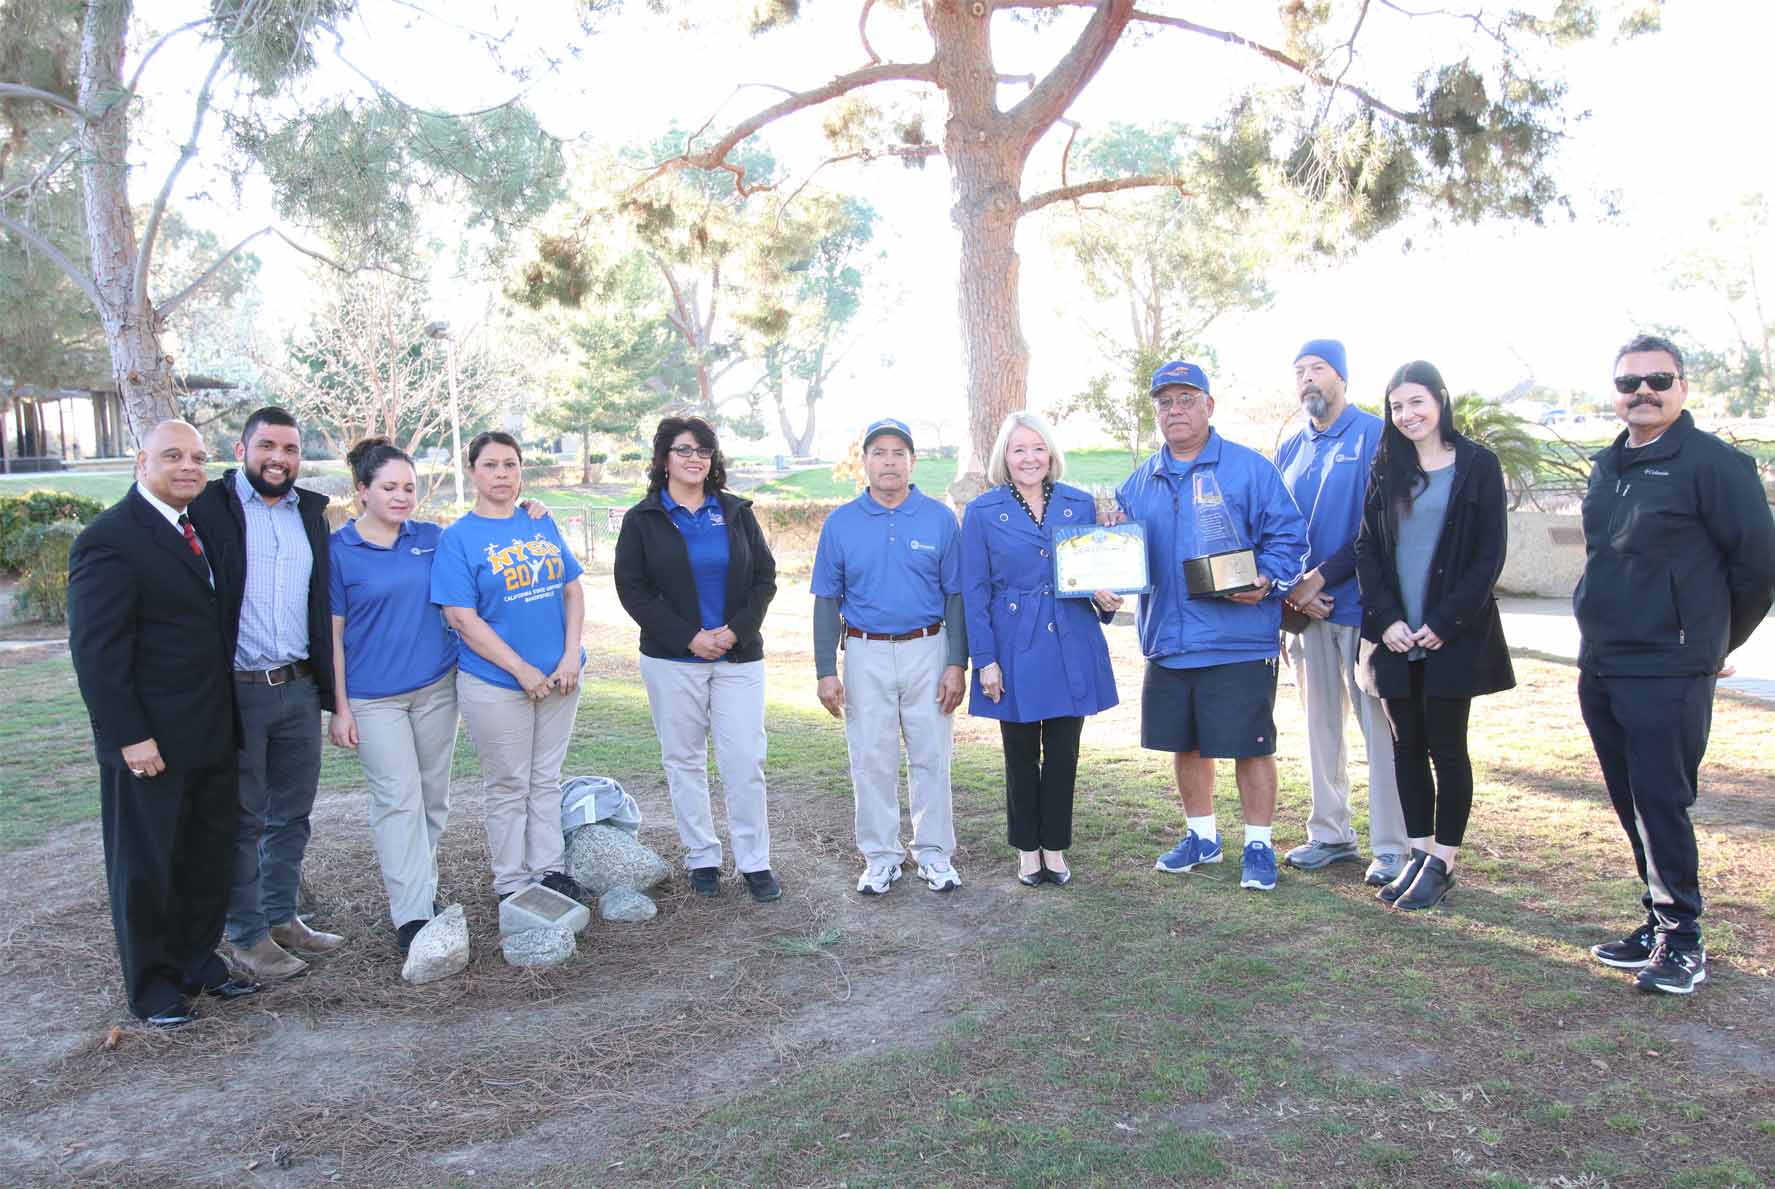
510	587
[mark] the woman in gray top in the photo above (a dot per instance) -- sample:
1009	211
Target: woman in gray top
1427	559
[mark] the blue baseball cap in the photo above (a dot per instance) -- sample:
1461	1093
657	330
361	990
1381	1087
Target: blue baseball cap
888	425
1179	372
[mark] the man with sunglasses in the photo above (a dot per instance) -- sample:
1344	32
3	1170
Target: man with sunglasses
1680	570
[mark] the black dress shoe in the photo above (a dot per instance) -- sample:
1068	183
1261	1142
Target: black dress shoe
406	933
1391	892
706	881
232	988
176	1016
1429	888
1033	879
763	885
1058	878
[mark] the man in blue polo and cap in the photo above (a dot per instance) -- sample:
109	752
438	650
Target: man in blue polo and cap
887	585
1326	466
1210	688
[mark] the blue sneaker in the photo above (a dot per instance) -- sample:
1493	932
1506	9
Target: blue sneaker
1189	854
1260	867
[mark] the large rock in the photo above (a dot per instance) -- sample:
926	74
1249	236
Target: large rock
440	949
549	946
626	906
602	857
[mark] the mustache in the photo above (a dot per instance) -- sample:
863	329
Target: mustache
1646	399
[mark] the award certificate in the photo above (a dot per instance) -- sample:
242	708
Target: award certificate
1093	557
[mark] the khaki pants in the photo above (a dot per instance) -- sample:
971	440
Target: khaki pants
691	704
522	745
1325	669
890	694
405	742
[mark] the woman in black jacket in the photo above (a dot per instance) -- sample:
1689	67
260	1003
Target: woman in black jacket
693	570
1428	556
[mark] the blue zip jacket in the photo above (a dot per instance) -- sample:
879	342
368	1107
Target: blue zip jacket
1184	633
1327	473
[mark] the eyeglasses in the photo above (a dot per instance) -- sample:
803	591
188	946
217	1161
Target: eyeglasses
1182	404
1629	384
698	451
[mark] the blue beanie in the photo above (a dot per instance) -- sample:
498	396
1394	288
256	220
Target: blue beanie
1331	351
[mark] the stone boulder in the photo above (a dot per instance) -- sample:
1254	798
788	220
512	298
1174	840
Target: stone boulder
440	949
549	946
626	906
602	857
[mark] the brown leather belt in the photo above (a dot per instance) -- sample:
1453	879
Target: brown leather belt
278	676
920	634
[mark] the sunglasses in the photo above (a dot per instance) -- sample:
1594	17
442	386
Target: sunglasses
1629	384
709	451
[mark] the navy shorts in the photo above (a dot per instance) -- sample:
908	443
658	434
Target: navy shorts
1223	711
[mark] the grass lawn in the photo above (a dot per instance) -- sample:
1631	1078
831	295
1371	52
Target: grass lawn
1135	1028
1084	468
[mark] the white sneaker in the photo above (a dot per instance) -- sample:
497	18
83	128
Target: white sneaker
878	877
939	876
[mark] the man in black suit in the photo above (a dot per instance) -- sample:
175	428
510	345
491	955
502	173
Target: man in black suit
151	654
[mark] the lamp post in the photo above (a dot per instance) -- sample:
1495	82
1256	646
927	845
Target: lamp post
441	330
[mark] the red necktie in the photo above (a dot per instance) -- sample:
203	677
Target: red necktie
190	534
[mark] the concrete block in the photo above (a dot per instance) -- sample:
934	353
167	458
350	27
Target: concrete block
536	907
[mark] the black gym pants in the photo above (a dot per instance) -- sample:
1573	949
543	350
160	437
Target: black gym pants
1650	734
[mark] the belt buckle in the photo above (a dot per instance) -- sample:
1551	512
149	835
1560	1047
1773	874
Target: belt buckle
271	676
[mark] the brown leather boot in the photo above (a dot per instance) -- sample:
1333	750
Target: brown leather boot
265	962
296	936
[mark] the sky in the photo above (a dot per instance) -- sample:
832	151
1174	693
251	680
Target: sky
1664	142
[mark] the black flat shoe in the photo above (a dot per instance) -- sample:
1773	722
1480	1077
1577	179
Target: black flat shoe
706	881
404	936
1391	892
1059	878
1033	879
233	988
176	1016
1428	889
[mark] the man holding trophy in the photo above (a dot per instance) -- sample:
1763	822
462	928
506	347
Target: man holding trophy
1225	542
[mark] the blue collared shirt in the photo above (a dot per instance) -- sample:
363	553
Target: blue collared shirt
889	568
395	637
1327	474
280	565
705	540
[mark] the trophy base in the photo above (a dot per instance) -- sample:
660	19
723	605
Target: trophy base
1216	574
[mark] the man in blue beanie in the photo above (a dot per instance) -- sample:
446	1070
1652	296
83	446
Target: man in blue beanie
1326	467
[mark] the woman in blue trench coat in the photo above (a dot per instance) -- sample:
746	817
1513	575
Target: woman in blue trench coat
1040	663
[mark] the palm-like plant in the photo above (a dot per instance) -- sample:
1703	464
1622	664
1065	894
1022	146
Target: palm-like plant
1504	434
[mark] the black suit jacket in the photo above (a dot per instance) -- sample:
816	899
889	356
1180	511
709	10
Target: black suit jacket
150	648
219	517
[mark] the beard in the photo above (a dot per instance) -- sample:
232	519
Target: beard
270	491
1316	403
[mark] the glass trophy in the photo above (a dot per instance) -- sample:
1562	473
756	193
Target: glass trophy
1226	564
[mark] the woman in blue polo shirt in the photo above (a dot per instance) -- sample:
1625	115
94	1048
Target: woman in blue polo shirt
693	570
1040	662
510	588
394	663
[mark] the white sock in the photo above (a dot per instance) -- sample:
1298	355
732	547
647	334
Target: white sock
1204	828
1257	834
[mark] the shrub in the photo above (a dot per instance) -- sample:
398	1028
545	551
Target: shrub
43	587
596	458
631	456
19	513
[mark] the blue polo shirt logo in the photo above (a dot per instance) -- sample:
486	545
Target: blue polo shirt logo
916	544
715	516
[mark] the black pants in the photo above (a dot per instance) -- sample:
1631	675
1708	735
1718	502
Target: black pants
1432	731
1650	734
168	845
1041	763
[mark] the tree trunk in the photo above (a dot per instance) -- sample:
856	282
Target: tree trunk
985	171
585	458
139	364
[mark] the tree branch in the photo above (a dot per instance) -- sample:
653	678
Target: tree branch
172	303
1049	99
910	152
136	78
20	91
863	33
55	254
1282	59
1101	186
715	157
145	256
43	175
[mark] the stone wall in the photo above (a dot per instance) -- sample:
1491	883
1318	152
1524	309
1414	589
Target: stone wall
1546	555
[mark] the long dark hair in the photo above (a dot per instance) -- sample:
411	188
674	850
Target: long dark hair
370	456
1396	465
704	435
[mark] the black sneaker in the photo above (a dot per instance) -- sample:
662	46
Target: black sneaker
406	933
706	881
1673	971
763	885
1631	952
560	881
